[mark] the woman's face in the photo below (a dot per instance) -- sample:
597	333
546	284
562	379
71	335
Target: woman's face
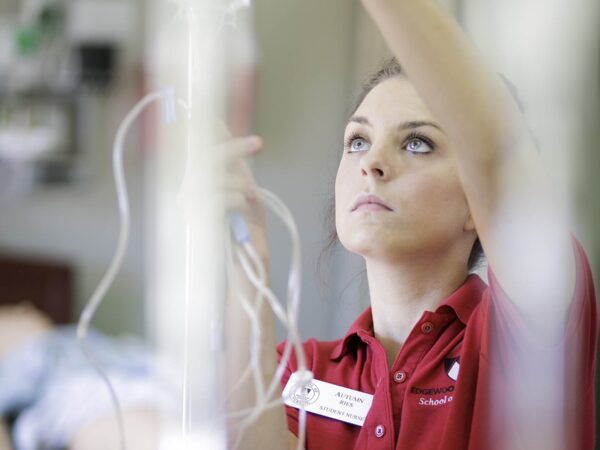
396	152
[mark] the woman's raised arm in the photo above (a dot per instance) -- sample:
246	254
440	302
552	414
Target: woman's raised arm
511	199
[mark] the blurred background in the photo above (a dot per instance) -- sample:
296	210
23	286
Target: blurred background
70	71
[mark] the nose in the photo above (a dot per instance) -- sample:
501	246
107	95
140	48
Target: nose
375	163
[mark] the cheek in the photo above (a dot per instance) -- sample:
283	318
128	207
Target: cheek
344	194
451	204
442	191
338	199
442	200
342	186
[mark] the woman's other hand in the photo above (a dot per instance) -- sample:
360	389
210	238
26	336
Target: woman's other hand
221	182
240	189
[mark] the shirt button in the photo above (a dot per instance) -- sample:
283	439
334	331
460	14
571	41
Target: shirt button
427	327
379	431
400	377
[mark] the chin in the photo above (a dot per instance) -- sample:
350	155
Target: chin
380	242
368	244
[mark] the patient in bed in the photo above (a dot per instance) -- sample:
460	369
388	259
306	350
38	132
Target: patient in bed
52	398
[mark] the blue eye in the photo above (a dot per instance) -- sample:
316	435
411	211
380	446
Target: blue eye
357	144
418	145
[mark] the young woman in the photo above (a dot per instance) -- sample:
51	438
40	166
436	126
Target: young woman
437	161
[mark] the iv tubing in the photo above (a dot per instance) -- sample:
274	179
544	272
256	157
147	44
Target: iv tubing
100	292
254	367
293	303
288	318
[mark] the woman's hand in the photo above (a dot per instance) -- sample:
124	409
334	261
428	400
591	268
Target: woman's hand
224	175
239	193
240	190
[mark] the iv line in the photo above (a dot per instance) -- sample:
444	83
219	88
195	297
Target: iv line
123	201
288	318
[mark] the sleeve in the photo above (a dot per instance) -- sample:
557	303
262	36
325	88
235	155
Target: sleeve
512	330
560	374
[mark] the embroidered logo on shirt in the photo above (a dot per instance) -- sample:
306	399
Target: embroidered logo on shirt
452	367
434	396
441	395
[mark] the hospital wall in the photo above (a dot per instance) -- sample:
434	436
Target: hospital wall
307	76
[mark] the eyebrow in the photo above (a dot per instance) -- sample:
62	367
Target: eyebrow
402	126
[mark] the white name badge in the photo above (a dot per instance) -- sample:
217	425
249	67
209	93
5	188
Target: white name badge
329	400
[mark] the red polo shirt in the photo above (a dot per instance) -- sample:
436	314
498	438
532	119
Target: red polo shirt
447	389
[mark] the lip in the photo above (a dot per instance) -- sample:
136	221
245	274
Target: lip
370	202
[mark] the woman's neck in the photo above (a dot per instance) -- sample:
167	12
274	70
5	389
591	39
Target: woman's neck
401	291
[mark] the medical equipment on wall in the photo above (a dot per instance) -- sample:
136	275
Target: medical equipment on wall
37	140
54	56
238	250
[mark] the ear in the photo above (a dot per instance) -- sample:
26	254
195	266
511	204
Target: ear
469	223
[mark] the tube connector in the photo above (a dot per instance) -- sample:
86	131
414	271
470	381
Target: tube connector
169	105
239	228
304	376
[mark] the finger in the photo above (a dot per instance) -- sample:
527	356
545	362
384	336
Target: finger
237	176
237	168
237	185
240	148
236	202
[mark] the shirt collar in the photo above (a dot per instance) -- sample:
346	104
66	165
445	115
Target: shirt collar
361	328
462	302
465	299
